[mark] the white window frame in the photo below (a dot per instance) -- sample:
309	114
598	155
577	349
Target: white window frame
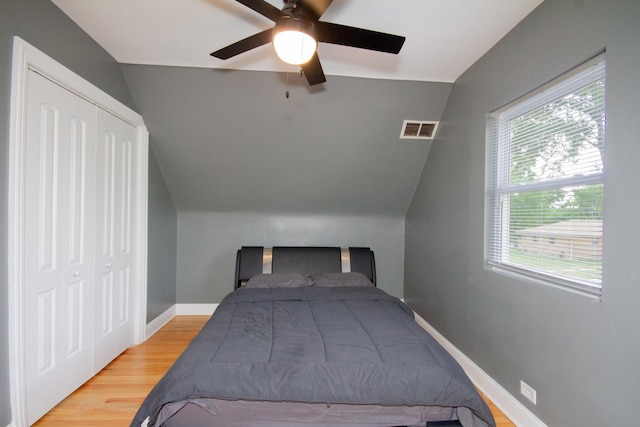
498	178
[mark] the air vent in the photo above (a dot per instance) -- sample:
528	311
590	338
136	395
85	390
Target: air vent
415	129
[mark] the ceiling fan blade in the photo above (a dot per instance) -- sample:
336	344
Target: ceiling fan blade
263	8
244	45
315	8
313	71
358	37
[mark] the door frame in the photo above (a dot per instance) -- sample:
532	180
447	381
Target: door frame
25	58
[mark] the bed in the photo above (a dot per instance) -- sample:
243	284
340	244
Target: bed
307	339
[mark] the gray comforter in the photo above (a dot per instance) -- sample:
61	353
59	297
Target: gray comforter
350	345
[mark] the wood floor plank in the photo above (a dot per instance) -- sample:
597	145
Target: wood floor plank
112	397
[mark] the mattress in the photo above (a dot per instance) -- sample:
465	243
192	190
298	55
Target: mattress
347	356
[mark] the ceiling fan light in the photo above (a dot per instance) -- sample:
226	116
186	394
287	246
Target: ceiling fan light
294	46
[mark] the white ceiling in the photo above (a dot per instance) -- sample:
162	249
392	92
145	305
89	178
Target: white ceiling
444	37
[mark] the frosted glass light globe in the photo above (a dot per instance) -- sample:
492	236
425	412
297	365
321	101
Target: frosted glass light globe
294	47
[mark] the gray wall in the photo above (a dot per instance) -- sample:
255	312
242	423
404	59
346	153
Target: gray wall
580	355
43	25
229	141
207	245
246	166
162	243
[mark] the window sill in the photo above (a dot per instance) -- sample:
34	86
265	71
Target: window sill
531	278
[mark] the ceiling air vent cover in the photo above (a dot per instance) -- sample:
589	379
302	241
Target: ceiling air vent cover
416	129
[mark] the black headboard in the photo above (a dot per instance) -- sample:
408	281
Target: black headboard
252	260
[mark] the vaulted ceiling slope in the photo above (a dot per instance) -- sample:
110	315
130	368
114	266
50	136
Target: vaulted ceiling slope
230	141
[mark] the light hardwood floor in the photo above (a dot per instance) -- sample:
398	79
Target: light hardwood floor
111	398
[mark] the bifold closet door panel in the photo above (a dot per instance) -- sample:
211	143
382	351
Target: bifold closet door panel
59	231
115	251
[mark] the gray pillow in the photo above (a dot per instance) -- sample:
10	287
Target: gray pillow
327	280
278	280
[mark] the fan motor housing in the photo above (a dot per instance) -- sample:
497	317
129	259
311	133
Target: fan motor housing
295	23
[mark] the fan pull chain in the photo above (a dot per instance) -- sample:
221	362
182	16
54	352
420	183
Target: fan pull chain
286	94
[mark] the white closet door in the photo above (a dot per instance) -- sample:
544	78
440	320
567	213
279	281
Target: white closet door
115	219
59	236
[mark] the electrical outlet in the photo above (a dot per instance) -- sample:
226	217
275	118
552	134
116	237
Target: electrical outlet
528	392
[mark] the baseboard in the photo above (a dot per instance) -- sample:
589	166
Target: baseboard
156	324
178	310
195	309
509	405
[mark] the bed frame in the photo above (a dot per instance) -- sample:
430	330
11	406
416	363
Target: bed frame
252	260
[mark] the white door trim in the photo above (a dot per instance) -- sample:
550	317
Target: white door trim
26	57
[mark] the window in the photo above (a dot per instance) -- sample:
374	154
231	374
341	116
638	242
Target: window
545	181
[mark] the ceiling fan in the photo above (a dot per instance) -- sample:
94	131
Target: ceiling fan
297	31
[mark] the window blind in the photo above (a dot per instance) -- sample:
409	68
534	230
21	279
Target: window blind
545	189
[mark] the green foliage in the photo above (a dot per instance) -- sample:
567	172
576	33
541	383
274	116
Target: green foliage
535	208
546	141
586	270
560	139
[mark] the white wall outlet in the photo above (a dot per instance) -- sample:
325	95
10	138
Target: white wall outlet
528	392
